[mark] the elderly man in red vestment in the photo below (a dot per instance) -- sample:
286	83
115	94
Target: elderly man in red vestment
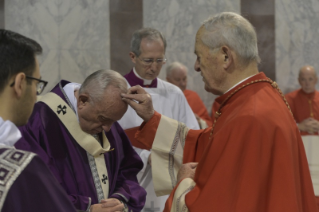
304	104
252	158
176	73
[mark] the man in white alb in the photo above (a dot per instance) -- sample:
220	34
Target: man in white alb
148	55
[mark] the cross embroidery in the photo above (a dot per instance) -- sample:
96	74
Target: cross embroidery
61	109
104	179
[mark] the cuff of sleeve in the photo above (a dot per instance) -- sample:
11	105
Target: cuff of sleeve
146	133
122	199
89	205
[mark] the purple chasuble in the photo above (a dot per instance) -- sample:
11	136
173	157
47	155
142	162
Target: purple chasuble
134	80
33	187
46	135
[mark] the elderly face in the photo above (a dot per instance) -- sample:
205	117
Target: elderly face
178	77
308	79
209	64
150	50
99	116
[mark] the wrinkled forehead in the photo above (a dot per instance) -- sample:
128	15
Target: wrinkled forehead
111	101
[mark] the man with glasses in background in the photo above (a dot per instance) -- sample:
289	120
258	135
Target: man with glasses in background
26	183
148	55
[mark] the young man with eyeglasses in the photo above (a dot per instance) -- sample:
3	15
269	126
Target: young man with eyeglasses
26	184
148	55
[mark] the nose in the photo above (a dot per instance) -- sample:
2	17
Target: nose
153	66
183	83
196	66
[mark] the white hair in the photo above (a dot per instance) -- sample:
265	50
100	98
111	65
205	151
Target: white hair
149	33
96	83
173	66
234	31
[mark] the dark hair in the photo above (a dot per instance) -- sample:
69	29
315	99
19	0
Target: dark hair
148	33
17	54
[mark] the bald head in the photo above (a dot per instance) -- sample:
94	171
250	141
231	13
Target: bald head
176	73
308	79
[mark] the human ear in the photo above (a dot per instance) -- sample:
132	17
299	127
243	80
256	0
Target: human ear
133	57
83	100
19	84
228	57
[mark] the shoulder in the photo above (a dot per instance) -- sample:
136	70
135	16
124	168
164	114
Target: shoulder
293	94
15	156
191	93
261	103
12	162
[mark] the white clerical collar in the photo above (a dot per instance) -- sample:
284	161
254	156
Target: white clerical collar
69	90
145	81
9	133
240	82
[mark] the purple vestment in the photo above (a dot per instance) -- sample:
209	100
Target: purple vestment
134	80
33	187
46	135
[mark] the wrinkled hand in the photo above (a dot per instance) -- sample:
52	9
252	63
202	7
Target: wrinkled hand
187	170
309	125
140	101
108	205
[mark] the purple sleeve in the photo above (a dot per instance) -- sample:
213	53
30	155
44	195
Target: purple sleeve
127	188
36	189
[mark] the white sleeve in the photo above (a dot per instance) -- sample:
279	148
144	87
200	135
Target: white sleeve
184	112
144	154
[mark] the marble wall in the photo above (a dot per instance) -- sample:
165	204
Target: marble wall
297	42
179	21
74	35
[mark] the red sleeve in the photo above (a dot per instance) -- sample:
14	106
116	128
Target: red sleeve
146	133
194	149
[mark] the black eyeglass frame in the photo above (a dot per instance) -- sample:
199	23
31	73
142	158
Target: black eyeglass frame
39	80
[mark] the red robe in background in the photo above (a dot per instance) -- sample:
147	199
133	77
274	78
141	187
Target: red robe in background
197	106
304	106
253	161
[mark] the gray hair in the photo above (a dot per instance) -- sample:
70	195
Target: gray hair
173	66
150	34
236	32
96	83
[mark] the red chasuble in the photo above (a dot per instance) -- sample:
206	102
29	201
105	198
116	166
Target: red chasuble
197	106
253	161
304	106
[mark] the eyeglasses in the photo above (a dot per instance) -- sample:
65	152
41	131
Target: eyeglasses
40	86
150	61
